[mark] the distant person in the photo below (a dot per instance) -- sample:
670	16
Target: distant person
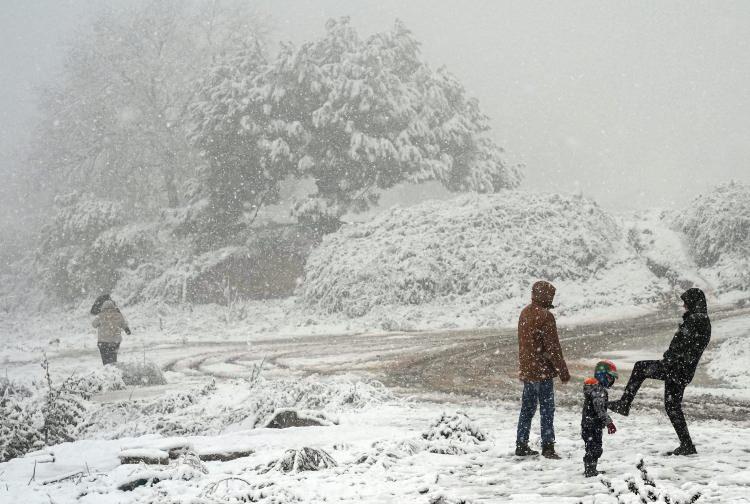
540	359
109	323
676	368
594	417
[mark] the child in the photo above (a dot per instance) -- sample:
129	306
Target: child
594	417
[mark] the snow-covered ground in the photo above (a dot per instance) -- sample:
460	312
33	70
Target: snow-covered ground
319	351
385	444
382	455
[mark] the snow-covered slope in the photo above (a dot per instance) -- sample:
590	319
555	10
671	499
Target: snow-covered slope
716	226
475	256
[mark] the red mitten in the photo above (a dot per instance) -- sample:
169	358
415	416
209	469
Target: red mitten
611	429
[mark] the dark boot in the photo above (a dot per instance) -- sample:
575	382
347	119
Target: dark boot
548	451
620	406
683	449
523	450
589	470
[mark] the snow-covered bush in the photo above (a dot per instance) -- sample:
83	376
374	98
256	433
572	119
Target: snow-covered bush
140	373
457	427
717	229
304	459
236	490
484	247
454	434
103	379
193	411
17	433
43	416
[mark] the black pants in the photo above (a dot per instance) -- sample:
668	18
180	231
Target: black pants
673	391
592	439
108	352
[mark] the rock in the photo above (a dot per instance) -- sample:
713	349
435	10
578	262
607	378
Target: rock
151	456
224	455
285	418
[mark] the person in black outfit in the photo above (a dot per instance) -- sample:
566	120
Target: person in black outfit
676	369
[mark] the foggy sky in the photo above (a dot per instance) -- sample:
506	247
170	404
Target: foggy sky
635	104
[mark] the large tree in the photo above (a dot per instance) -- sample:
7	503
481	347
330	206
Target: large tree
114	122
354	115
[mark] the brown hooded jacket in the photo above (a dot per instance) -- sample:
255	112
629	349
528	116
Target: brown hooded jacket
539	354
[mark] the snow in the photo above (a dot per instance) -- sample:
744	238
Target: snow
731	360
469	262
148	453
412	473
717	231
387	446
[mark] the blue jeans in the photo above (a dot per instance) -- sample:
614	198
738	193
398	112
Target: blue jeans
542	393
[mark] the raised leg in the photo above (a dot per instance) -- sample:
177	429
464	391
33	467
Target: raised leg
642	370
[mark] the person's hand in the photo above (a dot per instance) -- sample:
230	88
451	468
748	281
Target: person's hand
127	331
565	377
611	429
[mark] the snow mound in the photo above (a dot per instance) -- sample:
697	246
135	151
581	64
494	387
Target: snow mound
454	434
141	373
243	405
717	230
104	379
304	459
482	247
285	418
238	490
728	361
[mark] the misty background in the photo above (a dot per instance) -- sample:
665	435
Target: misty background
634	105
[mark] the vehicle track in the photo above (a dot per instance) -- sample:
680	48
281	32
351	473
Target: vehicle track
476	363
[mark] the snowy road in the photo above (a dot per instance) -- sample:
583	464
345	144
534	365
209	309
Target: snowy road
477	363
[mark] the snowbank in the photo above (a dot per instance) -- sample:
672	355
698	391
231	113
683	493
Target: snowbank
717	230
475	255
729	360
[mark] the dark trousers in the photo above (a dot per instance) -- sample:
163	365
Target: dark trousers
673	392
592	439
108	352
543	394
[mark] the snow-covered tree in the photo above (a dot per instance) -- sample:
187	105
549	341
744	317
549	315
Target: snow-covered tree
85	246
354	115
247	149
113	124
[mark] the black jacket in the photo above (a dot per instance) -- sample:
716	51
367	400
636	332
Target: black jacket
690	340
594	414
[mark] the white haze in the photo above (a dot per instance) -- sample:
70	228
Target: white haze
634	104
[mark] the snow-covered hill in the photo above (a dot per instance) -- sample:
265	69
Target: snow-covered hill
474	258
716	226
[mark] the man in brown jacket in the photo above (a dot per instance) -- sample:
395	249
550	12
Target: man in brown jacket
540	359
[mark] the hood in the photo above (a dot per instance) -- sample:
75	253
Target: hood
108	306
695	300
543	293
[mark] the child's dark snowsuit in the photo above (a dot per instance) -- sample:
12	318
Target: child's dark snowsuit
593	421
